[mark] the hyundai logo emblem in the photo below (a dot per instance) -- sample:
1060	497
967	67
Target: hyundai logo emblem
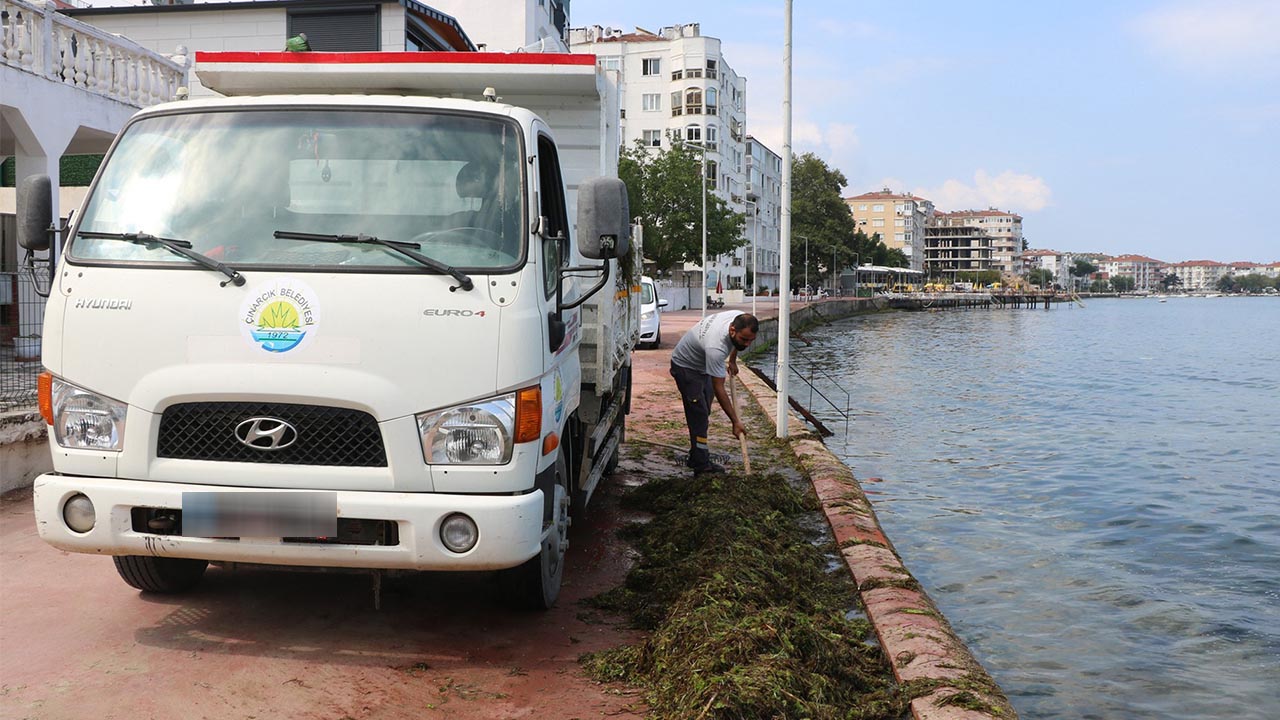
266	433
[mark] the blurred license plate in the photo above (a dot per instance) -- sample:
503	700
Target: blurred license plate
259	514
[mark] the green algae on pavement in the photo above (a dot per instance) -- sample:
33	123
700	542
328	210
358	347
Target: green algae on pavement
745	619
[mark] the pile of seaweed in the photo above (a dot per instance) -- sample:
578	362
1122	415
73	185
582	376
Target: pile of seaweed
745	620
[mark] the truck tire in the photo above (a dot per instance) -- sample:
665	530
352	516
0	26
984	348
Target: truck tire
160	574
535	585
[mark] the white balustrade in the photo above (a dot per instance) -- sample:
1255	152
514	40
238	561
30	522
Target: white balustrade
35	38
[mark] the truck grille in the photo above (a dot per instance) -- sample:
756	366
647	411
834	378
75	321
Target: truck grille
325	435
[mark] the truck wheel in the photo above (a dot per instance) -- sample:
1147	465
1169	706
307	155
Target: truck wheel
535	585
160	574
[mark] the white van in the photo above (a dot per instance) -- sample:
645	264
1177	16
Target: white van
650	313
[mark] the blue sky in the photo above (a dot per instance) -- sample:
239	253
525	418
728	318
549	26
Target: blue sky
1146	126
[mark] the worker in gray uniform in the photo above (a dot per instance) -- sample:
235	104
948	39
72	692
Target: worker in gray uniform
701	361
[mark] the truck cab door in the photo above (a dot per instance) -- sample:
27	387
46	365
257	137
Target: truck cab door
555	254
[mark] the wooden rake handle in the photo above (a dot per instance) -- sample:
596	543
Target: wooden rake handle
742	439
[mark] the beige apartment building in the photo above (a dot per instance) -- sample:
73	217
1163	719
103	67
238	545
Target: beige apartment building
1146	272
898	218
1199	275
1005	231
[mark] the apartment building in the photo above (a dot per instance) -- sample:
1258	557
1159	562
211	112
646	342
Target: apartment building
1197	275
265	25
1005	231
952	246
1146	272
1057	263
764	214
899	218
676	83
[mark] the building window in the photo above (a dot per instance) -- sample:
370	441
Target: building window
711	101
611	63
651	101
711	69
878	208
653	138
650	66
899	222
337	29
711	137
863	207
693	101
877	222
677	107
693	133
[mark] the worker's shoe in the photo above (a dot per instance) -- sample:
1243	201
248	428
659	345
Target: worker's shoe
708	469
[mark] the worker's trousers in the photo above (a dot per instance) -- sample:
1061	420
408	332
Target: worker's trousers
696	392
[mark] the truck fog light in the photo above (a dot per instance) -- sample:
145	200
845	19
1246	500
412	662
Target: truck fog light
459	533
78	514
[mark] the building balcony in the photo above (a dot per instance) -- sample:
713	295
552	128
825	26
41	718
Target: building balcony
36	39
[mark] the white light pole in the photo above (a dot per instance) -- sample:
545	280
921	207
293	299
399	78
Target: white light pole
702	179
755	261
857	258
806	264
784	277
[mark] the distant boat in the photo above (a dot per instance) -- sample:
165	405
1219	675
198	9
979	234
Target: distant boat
1164	299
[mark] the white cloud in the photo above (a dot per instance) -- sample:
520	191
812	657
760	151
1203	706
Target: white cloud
1011	191
1215	36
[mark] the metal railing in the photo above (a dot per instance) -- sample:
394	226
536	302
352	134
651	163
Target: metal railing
21	311
37	39
808	373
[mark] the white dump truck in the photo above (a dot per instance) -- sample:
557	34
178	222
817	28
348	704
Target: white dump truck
337	330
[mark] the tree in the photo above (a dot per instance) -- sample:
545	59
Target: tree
1122	283
819	213
664	190
980	278
1082	269
1041	277
1227	284
1169	281
1099	286
1253	283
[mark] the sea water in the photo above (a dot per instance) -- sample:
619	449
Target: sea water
1090	494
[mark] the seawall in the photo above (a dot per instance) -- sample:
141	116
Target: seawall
917	639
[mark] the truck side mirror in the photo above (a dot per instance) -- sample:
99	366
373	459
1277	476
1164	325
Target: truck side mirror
35	212
604	231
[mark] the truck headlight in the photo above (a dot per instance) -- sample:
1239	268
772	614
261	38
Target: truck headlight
480	433
86	420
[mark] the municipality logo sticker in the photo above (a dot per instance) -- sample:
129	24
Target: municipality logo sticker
280	316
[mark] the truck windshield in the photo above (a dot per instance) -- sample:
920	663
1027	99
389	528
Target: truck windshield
227	181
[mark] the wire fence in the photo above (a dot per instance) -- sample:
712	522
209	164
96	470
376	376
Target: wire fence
21	318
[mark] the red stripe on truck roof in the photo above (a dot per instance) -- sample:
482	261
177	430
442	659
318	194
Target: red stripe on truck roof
460	58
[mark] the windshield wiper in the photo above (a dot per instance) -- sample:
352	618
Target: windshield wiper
180	247
408	249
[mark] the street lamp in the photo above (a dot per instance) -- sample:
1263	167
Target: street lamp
806	263
755	260
857	261
702	178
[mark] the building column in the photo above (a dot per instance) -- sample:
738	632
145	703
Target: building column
37	151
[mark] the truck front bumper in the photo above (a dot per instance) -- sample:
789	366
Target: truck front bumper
510	527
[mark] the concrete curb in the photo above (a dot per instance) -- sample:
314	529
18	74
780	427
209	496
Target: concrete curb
24	449
920	644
